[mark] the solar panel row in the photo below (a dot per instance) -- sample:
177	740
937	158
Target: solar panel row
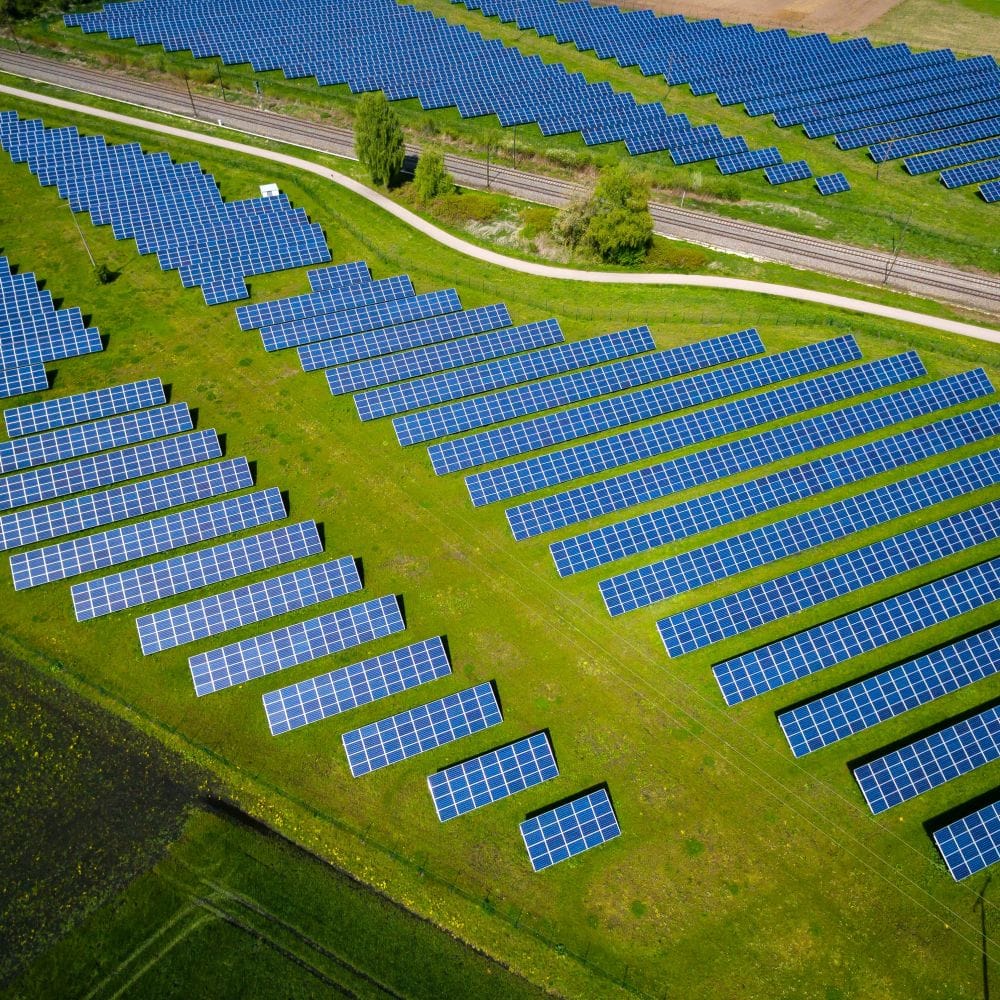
971	843
337	275
570	829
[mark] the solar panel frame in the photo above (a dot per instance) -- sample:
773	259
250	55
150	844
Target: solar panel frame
971	843
20	381
832	184
569	829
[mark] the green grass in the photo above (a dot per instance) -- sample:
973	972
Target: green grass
740	871
938	224
969	26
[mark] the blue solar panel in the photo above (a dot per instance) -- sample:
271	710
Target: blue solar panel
461	788
37	417
739	163
772	542
892	131
884	696
894	149
566	425
338	274
990	193
832	183
145	538
562	390
343	350
952	157
358	684
843	574
506	371
299	643
94	471
659	527
569	829
327	326
782	173
18	381
971	843
927	763
861	631
254	602
69	442
170	577
381	371
655	439
985	170
629	489
421	729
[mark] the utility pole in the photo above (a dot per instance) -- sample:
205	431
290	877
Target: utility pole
897	245
83	239
222	86
514	156
10	28
187	83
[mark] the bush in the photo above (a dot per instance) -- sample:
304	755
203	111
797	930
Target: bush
668	257
430	179
537	219
730	191
571	222
459	208
378	138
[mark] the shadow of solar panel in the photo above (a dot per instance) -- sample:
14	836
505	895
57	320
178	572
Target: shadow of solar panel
288	647
358	684
128	589
861	631
835	716
971	843
569	829
39	524
420	729
493	776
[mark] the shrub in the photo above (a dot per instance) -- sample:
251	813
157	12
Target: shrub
430	179
378	138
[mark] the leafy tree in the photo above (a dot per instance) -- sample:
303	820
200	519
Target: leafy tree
431	179
572	221
620	229
378	138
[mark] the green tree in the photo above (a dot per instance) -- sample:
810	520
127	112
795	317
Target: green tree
431	179
378	138
572	220
620	229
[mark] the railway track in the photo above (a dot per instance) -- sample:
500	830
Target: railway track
969	289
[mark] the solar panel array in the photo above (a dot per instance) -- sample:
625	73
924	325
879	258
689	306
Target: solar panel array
130	588
952	157
171	209
145	538
496	775
885	695
358	684
832	184
775	541
536	517
984	170
33	331
990	192
843	574
420	729
930	762
337	275
972	843
754	159
782	173
287	647
570	829
924	141
254	602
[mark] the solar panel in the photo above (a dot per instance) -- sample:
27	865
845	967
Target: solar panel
170	577
739	163
772	542
358	684
644	442
339	274
566	425
927	763
536	517
832	184
89	473
882	152
18	381
254	602
421	729
953	156
287	647
782	173
145	538
971	843
712	510
70	442
861	631
450	385
812	585
569	829
380	371
39	524
876	699
990	193
49	414
984	170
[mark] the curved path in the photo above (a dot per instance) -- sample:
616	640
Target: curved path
926	279
510	263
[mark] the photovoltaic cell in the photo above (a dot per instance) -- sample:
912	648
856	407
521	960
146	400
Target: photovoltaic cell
859	632
843	574
170	577
254	602
299	643
460	789
52	413
971	843
358	684
569	829
145	538
421	729
860	706
927	763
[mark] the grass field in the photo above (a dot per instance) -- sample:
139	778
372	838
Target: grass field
932	222
740	872
971	26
